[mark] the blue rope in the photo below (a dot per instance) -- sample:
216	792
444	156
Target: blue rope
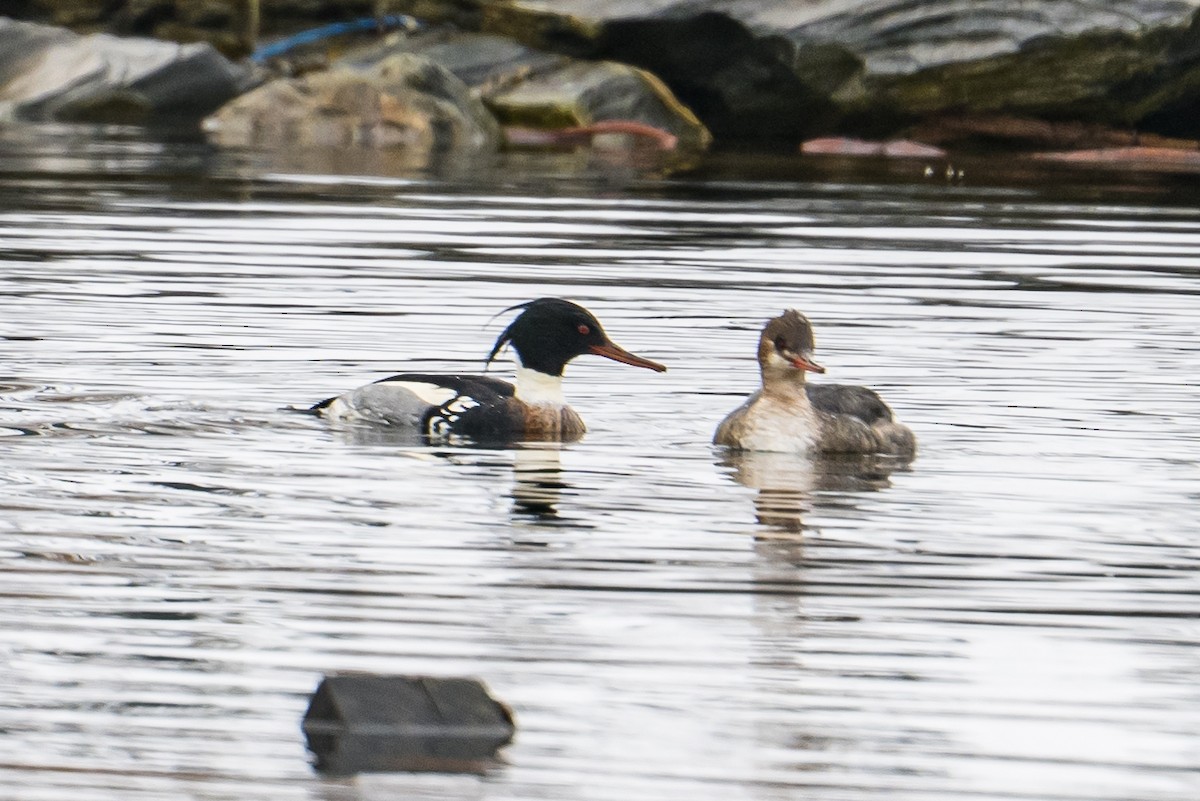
312	35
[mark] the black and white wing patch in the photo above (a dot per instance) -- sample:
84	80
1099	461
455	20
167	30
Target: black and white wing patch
480	409
439	407
432	404
444	420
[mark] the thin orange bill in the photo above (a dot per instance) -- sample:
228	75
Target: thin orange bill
802	362
610	350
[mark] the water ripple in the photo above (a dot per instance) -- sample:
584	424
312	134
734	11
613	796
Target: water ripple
1010	616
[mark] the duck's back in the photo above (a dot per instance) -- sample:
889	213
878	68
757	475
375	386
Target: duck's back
855	419
432	404
860	402
477	407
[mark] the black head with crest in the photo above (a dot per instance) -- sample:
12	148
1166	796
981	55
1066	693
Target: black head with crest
549	332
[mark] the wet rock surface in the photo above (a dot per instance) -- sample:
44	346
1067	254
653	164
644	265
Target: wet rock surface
404	101
229	25
526	88
764	72
363	722
780	70
51	73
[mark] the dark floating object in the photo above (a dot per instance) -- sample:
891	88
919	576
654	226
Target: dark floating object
366	723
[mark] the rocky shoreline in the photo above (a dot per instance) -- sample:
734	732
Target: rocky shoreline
1053	77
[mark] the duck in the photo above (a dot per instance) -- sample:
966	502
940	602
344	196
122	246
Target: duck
546	335
788	414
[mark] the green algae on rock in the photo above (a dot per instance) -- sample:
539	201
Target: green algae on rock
529	88
779	70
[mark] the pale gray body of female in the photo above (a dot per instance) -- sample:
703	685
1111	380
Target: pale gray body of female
789	415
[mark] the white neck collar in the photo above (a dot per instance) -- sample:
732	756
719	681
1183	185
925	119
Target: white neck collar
536	388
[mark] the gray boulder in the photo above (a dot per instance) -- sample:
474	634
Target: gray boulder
532	90
49	73
403	102
781	69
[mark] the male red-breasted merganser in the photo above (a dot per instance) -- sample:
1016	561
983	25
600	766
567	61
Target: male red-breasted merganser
547	334
788	414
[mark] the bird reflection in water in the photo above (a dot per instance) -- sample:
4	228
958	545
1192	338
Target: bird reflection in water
537	466
790	485
537	480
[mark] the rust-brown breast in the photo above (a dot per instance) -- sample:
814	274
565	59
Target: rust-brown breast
552	423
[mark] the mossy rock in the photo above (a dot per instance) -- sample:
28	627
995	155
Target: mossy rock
782	70
1076	78
583	93
525	87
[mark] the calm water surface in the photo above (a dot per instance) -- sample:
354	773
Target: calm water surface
1015	615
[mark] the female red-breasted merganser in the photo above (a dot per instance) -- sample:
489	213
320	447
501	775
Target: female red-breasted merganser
547	334
788	414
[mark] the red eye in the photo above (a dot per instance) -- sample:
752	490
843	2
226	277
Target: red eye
583	329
